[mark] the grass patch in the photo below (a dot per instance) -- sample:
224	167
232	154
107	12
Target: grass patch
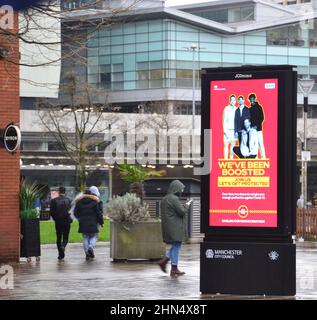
48	234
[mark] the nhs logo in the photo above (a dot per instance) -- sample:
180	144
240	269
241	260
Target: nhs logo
269	86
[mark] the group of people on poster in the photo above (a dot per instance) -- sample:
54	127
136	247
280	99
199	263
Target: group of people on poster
244	125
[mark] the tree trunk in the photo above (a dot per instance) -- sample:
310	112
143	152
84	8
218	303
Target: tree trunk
138	189
82	167
82	178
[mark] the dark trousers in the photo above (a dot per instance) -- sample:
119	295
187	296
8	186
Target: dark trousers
237	151
62	232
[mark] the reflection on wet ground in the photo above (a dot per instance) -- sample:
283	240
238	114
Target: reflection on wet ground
76	278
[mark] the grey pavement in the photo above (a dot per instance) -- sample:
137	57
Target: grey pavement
78	279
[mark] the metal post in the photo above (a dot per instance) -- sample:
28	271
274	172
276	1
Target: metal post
305	85
302	193
304	174
194	85
305	149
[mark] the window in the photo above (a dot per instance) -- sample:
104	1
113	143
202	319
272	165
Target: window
143	75
313	35
312	112
117	76
214	15
117	86
295	36
227	15
105	76
247	13
150	74
156	74
34	146
156	78
288	36
54	146
234	15
313	60
105	79
184	73
277	37
143	79
184	78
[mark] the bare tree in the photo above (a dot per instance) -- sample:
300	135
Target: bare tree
40	27
78	123
165	124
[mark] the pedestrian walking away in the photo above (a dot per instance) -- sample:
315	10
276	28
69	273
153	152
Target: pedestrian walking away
173	216
59	210
88	211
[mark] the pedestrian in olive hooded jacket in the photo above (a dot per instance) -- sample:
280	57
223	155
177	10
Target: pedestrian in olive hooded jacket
173	215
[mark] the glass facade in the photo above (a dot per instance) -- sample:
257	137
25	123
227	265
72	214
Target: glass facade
74	4
53	179
156	53
226	15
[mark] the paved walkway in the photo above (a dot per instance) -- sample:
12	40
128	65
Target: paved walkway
76	278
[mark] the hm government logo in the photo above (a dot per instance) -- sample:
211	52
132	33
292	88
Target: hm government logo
217	88
223	254
273	255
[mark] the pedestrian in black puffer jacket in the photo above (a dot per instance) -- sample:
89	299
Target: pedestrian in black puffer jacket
88	211
59	210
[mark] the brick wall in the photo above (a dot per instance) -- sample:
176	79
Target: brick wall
9	164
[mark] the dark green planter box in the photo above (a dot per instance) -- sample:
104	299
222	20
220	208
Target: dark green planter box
143	240
30	238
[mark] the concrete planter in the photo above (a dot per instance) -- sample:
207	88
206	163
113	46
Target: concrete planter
143	240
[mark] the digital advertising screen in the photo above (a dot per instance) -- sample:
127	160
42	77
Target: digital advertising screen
244	133
249	147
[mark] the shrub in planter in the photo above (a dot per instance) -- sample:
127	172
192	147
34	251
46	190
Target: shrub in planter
30	224
127	209
135	175
133	234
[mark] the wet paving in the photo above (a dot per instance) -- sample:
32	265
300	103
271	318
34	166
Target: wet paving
78	279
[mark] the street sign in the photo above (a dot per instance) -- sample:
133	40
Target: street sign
306	156
11	136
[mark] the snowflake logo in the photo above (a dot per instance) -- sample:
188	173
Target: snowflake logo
210	254
273	255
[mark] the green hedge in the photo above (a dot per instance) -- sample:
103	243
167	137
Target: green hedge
48	234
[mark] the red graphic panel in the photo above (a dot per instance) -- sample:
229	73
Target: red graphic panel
243	178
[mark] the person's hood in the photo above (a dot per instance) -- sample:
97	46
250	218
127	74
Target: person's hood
95	191
175	187
87	198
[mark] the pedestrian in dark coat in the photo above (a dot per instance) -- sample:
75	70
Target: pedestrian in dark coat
88	211
173	215
59	210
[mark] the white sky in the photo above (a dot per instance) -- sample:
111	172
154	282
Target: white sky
180	2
